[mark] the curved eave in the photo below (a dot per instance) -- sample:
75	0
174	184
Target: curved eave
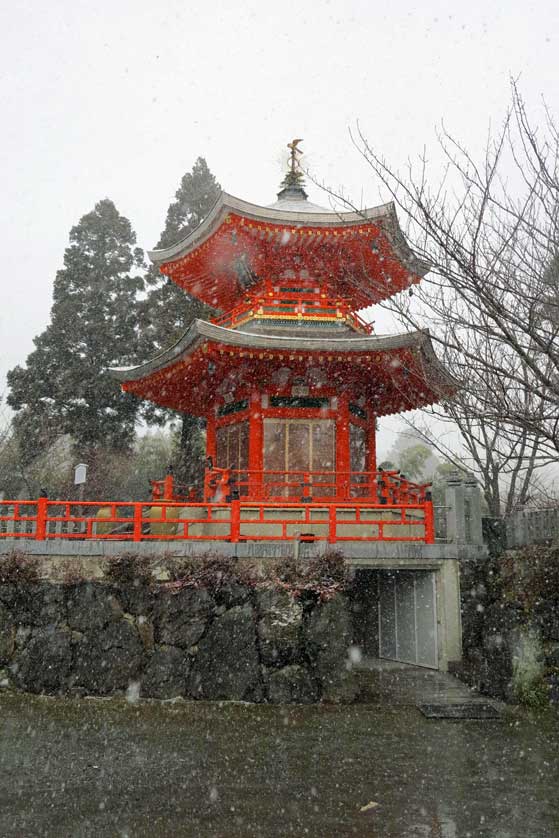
384	215
200	331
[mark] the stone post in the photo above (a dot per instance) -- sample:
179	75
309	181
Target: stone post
473	497
455	513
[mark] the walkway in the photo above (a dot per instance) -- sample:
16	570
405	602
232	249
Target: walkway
390	682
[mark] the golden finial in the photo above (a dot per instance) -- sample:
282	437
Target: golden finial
292	146
292	184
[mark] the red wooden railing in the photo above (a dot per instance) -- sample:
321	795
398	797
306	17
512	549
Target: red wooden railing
292	306
235	521
383	487
171	489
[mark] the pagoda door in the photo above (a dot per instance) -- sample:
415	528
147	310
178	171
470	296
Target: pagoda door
232	452
299	458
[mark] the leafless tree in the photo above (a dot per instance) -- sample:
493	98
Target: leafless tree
489	230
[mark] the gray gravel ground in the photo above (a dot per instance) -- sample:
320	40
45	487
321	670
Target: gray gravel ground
93	767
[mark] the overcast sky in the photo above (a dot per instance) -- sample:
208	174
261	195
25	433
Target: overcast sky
117	99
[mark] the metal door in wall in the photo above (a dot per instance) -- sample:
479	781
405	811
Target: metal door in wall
408	617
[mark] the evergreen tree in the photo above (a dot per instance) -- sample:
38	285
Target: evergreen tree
64	387
168	310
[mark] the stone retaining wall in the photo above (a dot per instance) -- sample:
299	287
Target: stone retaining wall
163	641
510	621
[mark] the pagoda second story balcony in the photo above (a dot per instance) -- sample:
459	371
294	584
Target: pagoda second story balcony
292	307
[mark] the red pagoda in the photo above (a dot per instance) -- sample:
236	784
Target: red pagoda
289	378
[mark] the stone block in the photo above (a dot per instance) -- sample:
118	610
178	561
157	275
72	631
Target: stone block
328	635
107	660
181	617
7	635
46	605
44	665
165	673
279	628
227	664
146	632
232	593
137	598
91	606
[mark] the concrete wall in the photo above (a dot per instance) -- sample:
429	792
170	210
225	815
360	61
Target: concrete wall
365	604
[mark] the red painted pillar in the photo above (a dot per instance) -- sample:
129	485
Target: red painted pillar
372	445
372	454
342	449
211	451
255	447
429	523
210	438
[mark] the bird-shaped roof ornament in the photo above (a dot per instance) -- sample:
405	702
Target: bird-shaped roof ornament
294	161
292	184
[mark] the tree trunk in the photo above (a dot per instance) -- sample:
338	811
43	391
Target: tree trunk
189	466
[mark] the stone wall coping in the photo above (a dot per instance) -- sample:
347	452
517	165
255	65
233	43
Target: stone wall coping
358	553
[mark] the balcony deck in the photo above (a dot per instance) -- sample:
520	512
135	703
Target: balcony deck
397	511
235	521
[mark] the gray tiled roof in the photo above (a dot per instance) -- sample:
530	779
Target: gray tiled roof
296	213
201	331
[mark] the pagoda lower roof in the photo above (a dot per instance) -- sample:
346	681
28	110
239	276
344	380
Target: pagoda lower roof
361	256
395	372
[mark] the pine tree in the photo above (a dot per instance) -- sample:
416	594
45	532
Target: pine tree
168	310
64	387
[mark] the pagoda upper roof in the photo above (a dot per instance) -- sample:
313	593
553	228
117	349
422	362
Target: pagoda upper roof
361	256
395	372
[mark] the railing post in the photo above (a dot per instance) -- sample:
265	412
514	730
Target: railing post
168	487
429	522
41	527
307	496
403	490
235	520
137	527
331	524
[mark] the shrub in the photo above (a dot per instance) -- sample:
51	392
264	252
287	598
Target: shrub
210	571
18	568
322	577
534	695
130	568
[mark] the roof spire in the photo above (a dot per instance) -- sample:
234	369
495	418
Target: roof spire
292	184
